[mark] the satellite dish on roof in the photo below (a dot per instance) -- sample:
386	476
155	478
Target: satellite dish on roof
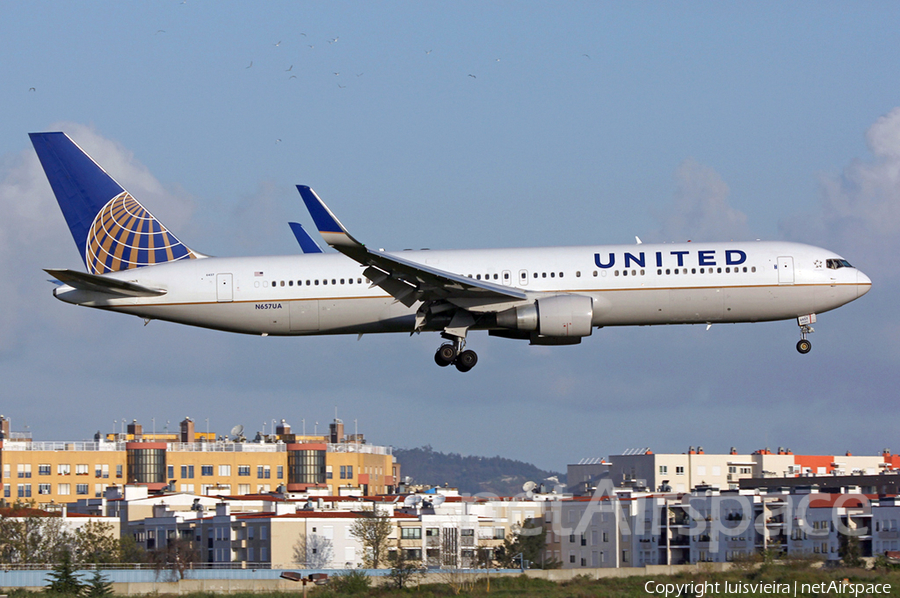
438	500
412	500
237	433
528	486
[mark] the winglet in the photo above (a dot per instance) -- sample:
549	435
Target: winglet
307	244
331	229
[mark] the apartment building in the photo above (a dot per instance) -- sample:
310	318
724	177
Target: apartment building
193	462
626	529
642	468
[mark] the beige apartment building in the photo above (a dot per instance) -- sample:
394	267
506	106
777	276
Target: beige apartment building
53	473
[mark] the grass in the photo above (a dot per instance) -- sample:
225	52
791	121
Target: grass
586	587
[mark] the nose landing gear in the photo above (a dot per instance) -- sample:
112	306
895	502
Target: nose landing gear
456	354
803	345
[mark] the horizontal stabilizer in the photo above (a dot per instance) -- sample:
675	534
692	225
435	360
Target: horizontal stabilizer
102	284
307	244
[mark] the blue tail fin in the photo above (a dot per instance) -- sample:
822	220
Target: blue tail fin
112	230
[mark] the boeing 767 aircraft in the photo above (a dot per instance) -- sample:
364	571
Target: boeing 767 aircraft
547	296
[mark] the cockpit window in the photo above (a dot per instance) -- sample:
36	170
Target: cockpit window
834	264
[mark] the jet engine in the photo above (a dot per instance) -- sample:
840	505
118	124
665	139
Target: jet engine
556	316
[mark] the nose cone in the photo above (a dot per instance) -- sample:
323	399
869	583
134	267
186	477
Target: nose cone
863	284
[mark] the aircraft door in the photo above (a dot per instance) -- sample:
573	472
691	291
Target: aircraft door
785	270
224	288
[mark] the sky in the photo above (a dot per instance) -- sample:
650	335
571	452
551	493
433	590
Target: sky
463	125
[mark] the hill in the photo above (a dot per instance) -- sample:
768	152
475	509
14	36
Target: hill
472	475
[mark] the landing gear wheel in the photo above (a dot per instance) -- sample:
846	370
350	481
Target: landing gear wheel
466	360
804	346
445	355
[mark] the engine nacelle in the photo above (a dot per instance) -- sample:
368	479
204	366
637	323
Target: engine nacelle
557	316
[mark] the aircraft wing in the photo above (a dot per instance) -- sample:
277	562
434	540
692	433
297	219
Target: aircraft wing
102	284
405	280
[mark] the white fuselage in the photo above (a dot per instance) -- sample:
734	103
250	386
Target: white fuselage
629	284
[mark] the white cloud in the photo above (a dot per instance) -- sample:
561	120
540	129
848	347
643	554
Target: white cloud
700	209
861	207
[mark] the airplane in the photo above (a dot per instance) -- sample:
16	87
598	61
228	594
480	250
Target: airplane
546	296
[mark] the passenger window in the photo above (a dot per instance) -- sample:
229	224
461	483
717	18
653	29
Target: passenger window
693	270
753	268
506	276
701	271
342	281
308	283
719	270
668	271
577	273
617	272
333	281
560	274
595	273
478	276
553	275
543	275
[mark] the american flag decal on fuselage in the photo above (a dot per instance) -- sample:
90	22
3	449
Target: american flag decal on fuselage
124	235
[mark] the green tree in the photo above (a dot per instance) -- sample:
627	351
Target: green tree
177	556
373	530
526	542
63	579
95	543
97	586
403	569
849	550
130	551
29	535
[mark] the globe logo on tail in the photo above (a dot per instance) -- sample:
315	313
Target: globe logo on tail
124	235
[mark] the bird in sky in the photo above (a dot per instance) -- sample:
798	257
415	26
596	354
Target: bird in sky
333	40
473	76
289	69
342	86
31	89
429	51
278	44
586	56
249	65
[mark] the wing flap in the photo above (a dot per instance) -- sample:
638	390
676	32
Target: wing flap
405	280
102	284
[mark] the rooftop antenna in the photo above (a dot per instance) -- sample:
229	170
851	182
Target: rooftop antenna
528	487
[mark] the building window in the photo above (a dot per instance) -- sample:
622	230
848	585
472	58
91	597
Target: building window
81	489
244	489
663	469
281	472
43	488
243	470
170	471
24	470
410	533
44	469
64	489
263	471
187	471
24	490
679	470
119	471
206	470
6	490
224	470
81	469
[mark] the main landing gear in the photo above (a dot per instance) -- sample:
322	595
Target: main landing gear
456	353
803	345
